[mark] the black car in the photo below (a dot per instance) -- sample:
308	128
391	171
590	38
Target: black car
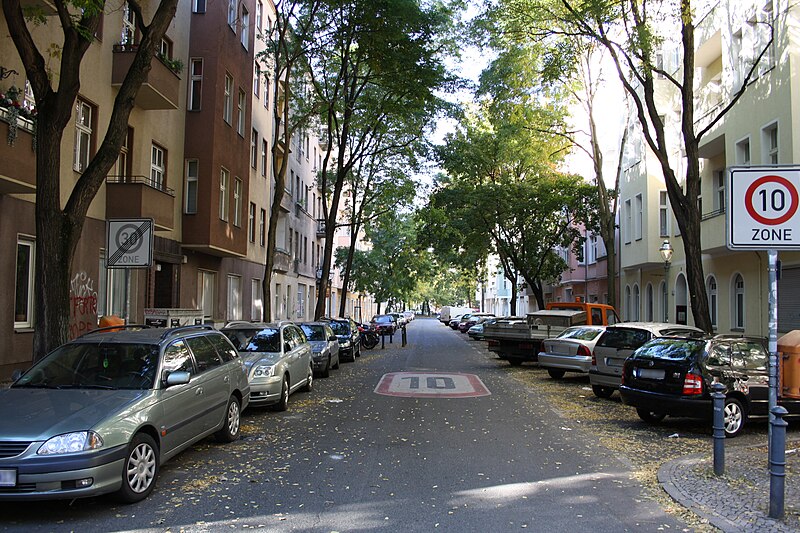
384	324
672	376
346	330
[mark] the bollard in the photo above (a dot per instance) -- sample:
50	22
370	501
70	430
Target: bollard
383	341
391	337
777	462
404	337
718	401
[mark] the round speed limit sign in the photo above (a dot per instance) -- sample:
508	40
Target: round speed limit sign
763	212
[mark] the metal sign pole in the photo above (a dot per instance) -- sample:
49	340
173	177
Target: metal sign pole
773	335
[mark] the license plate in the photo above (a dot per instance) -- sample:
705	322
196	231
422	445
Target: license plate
650	373
8	478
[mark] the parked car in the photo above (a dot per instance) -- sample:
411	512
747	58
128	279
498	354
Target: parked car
384	324
618	342
471	320
570	351
101	414
277	357
324	346
456	320
346	330
476	331
409	316
672	376
400	319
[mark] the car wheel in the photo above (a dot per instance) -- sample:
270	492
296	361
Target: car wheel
140	469
555	373
326	373
734	417
309	386
283	403
515	362
233	422
357	349
602	391
651	417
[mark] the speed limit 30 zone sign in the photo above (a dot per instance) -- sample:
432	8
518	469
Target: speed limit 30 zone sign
764	208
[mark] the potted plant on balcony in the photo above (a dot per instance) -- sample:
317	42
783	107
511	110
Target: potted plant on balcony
13	107
175	65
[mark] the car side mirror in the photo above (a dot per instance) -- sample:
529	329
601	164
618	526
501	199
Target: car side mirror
179	377
333	338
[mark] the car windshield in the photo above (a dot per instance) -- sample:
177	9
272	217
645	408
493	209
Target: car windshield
340	328
383	319
255	340
314	333
581	334
95	366
674	349
624	338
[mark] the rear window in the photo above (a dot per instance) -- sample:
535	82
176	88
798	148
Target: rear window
581	334
384	319
672	349
340	328
624	338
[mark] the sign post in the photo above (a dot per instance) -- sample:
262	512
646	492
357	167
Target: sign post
129	243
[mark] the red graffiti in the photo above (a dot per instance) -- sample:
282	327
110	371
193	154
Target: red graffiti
83	305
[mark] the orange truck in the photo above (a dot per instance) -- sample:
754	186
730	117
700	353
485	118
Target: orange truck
518	339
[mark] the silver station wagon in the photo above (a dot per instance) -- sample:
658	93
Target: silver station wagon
100	414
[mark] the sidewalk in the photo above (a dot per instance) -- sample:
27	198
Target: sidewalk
738	500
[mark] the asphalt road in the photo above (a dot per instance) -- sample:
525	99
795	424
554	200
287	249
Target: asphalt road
345	458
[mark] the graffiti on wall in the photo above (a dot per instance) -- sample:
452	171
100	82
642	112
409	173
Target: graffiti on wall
82	305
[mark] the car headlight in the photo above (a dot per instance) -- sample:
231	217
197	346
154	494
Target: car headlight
80	441
264	371
344	344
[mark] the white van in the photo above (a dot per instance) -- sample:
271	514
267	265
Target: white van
450	311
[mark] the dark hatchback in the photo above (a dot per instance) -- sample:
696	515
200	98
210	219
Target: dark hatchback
346	330
672	376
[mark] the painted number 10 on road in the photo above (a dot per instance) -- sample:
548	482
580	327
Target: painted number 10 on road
764	212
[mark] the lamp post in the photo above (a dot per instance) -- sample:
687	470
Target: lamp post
666	255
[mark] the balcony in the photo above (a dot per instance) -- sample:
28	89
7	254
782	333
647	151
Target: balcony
140	197
162	86
17	162
320	227
282	261
287	204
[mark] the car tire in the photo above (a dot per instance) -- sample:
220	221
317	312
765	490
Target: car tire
140	469
734	417
651	417
309	386
555	373
601	391
283	403
233	421
515	362
326	373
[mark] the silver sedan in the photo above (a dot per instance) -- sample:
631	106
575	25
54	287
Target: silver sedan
570	351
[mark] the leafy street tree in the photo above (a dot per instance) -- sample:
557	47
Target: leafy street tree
633	32
380	59
58	229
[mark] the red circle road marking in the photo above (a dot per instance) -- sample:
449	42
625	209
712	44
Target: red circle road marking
748	200
415	385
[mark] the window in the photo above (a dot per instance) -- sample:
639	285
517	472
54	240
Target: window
192	172
738	303
23	294
237	202
257	302
257	80
234	298
251	223
205	355
178	358
639	222
198	6
663	214
769	140
254	148
158	166
648	303
264	157
121	169
628	304
245	37
224	187
195	84
165	48
240	118
259	15
719	191
743	152
227	105
262	227
636	303
628	214
112	297
266	92
84	135
205	297
711	289
232	14
128	35
28	99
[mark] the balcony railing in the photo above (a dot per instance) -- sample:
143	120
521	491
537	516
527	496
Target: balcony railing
320	227
140	197
18	159
282	261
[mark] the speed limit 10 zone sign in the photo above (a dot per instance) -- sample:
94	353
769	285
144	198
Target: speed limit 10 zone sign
763	207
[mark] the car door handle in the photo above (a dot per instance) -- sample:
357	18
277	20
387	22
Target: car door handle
198	391
226	379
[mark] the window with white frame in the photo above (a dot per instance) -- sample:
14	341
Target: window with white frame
262	227
639	222
266	92
769	141
257	80
738	303
254	148
245	37
227	103
205	295
256	300
158	166
628	216
84	134
232	15
121	167
263	157
128	35
591	249
237	202
711	290
23	289
113	290
719	191
251	223
760	27
663	214
234	297
259	15
240	118
743	152
224	188
195	84
192	174
198	6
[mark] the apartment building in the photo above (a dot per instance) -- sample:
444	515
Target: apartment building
759	129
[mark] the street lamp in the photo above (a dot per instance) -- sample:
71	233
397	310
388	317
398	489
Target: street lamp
666	255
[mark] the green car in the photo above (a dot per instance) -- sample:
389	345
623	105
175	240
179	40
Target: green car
100	414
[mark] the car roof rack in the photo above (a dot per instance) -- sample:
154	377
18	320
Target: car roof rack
115	328
233	323
181	329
